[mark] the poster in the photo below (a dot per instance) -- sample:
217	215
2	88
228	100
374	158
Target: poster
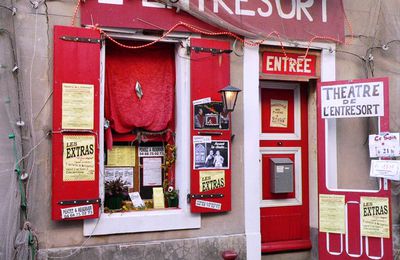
352	100
77	106
332	213
384	145
279	113
374	213
211	180
121	156
388	169
158	198
211	155
151	151
210	116
152	172
78	158
123	173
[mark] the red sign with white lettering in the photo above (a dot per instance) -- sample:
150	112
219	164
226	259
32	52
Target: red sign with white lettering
300	20
289	64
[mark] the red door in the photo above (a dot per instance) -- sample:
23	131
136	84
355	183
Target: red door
284	157
352	242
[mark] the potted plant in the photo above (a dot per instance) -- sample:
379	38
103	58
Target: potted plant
115	193
171	195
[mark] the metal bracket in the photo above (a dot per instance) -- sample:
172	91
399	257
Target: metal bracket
213	51
79	202
204	196
79	39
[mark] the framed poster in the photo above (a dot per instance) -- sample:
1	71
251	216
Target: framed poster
210	115
210	154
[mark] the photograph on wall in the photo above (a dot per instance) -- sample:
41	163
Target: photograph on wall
211	155
210	116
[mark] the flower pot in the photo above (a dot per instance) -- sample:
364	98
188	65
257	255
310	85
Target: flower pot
173	202
113	202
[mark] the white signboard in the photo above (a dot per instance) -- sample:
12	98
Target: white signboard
388	169
75	212
208	204
151	151
384	145
352	100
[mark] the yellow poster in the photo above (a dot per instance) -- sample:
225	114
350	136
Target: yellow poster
211	180
121	156
77	106
374	213
279	113
78	158
331	213
158	198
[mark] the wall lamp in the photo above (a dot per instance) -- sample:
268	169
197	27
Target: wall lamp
229	96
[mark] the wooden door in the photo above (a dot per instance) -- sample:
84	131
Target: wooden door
284	135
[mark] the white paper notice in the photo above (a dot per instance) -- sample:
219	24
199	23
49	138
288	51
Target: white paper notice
208	204
202	101
152	172
75	212
136	199
125	174
384	145
388	169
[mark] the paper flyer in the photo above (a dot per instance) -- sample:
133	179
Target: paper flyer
332	213
77	106
78	158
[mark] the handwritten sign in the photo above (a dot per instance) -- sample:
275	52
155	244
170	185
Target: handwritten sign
136	199
158	198
279	113
352	100
78	158
332	213
77	106
374	213
388	169
75	212
384	145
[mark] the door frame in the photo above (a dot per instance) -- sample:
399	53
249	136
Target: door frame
251	128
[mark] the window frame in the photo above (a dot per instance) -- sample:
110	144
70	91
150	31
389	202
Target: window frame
157	220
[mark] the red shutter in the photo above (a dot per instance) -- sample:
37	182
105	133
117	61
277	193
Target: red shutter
76	61
209	73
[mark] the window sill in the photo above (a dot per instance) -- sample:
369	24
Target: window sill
141	221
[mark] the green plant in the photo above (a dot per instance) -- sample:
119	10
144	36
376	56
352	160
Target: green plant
116	188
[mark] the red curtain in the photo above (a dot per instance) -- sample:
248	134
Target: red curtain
154	68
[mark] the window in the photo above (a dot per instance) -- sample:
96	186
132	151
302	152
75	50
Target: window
149	220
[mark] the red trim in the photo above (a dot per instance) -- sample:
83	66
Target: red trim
294	245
